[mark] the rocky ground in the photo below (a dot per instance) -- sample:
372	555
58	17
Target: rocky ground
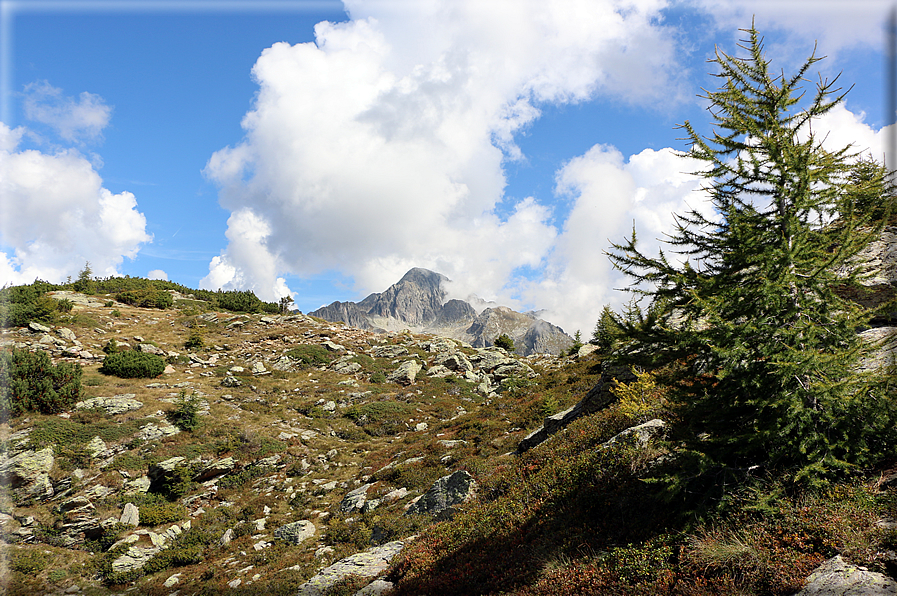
322	450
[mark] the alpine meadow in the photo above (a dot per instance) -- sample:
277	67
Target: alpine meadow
732	430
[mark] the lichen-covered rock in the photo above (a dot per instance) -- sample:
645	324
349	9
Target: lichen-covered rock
154	432
355	500
295	532
389	351
835	577
369	563
215	468
406	373
641	433
118	404
131	515
454	361
28	473
151	349
445	493
96	447
135	558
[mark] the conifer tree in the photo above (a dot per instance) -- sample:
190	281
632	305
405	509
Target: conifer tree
763	351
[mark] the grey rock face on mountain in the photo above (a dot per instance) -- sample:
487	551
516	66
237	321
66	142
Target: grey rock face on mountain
418	302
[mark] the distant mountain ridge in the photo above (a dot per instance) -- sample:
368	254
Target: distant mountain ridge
418	302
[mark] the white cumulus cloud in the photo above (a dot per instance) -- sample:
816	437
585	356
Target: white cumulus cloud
380	146
157	274
55	215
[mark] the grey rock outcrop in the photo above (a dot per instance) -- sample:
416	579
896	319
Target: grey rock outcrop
295	532
641	434
27	473
215	468
369	563
406	373
355	499
448	491
130	515
599	397
118	404
835	577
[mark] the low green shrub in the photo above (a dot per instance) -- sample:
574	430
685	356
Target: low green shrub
195	341
161	512
146	298
28	562
380	418
504	341
29	382
310	355
133	365
185	416
20	305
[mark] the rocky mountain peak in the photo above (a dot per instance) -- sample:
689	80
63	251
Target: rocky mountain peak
418	302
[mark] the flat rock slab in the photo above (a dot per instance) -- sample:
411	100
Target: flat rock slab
119	404
838	578
369	563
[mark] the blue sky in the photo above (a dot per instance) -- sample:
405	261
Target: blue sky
323	148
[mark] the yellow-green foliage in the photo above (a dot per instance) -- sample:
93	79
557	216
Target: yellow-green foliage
641	399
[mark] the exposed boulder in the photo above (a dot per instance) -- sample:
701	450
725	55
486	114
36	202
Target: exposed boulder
369	563
406	373
27	473
835	577
151	349
131	515
119	404
355	499
215	468
641	434
295	532
448	491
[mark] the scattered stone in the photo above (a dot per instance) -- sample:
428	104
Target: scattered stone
355	499
406	373
295	532
231	381
139	485
154	432
449	444
259	368
226	537
130	515
370	563
38	328
835	577
448	491
66	333
119	404
333	347
151	349
346	367
642	433
389	351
